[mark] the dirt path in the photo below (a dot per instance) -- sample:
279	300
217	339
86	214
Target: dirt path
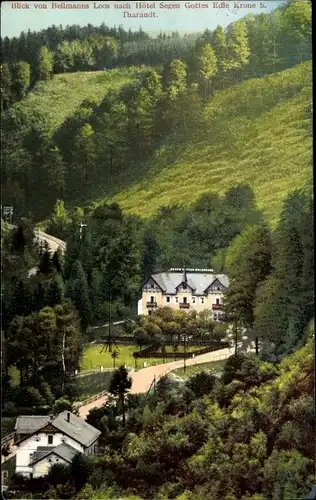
144	377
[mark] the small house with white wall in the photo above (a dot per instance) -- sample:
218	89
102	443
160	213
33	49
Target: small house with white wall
42	441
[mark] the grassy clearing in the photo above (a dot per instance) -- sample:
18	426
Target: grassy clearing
93	358
59	98
213	366
257	133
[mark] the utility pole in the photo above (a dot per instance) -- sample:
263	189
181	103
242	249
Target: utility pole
110	341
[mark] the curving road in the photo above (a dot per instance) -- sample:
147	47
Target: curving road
143	378
53	243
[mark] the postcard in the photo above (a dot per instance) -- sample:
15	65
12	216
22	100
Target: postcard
157	295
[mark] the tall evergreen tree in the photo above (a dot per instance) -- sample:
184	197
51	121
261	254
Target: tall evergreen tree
21	79
77	290
150	254
207	68
45	63
248	263
6	82
55	290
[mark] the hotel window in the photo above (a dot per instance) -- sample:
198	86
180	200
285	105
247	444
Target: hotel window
176	299
202	300
50	439
184	300
217	302
152	300
168	299
193	300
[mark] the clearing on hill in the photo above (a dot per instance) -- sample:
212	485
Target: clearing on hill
258	133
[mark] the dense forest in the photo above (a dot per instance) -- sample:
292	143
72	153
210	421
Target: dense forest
244	436
134	104
271	272
166	99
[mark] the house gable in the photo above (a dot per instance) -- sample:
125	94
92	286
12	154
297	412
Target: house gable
184	287
47	429
215	286
151	285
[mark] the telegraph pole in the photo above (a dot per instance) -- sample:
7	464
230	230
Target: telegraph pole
110	341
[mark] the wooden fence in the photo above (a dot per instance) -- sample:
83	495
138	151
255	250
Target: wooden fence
91	399
148	352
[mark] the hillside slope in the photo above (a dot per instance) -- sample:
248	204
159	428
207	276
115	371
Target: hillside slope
58	98
258	132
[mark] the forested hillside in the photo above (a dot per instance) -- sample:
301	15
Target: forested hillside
199	108
247	435
258	133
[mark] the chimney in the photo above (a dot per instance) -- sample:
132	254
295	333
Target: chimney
68	416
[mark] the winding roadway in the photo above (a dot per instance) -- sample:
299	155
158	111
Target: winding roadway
142	379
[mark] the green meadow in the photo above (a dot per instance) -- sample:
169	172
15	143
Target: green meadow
257	133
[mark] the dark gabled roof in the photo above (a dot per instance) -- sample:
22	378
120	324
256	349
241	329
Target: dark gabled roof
40	453
199	282
221	278
64	451
76	428
28	424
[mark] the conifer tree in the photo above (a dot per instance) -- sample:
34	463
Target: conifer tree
218	42
237	49
207	68
6	82
45	63
45	264
55	290
77	290
21	302
21	79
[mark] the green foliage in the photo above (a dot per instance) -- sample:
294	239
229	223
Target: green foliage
284	301
46	60
236	130
45	347
6	81
119	385
21	80
77	290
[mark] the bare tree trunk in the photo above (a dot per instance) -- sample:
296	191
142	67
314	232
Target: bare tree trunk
63	360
